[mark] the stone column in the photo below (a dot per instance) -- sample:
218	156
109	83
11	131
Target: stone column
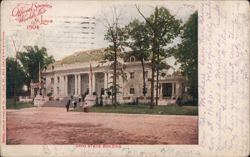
172	89
75	84
66	85
54	86
61	88
90	89
94	90
105	81
79	84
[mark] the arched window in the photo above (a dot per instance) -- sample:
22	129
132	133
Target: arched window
132	59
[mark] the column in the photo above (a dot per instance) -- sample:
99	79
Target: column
66	85
94	90
54	85
75	84
61	88
90	89
79	84
105	81
177	88
172	89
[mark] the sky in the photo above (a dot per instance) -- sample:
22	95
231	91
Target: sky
78	25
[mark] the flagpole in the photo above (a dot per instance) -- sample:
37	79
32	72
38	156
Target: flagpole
91	79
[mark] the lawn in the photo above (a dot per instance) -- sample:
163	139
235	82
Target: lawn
144	109
19	105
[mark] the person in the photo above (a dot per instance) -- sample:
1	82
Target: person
67	105
75	104
101	100
79	98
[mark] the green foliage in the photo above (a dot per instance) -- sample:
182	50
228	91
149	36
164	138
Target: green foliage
15	76
162	28
116	35
31	58
186	53
138	39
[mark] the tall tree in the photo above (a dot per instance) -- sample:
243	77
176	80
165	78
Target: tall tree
116	36
186	53
163	29
14	70
138	41
30	60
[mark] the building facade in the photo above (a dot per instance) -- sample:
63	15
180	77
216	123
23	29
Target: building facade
85	72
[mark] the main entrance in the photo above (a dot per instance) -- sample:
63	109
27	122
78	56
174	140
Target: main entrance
167	89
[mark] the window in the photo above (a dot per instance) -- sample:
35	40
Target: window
132	59
132	75
58	79
132	91
144	90
167	89
102	91
58	90
52	80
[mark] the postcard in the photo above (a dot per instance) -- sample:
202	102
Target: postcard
124	78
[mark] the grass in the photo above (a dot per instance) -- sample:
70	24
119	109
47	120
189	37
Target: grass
144	109
19	105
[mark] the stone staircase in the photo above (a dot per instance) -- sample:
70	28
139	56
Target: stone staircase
56	103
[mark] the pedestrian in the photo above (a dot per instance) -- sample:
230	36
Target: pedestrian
75	104
67	105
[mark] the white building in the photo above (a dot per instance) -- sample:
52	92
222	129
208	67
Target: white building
71	77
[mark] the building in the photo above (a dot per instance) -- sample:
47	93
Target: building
72	76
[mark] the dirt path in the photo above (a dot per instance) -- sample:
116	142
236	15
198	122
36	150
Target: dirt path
49	125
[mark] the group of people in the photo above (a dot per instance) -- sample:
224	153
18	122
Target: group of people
74	102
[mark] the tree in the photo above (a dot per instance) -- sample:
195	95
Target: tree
30	60
186	53
139	43
116	35
163	29
14	70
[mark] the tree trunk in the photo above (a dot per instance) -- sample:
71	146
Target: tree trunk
152	80
157	77
143	75
114	78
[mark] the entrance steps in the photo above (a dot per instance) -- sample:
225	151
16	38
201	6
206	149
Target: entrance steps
56	103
